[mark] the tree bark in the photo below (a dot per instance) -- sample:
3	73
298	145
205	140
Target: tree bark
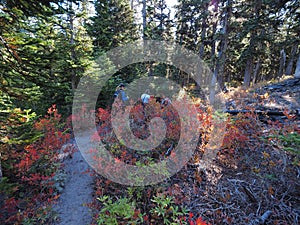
72	42
297	72
292	58
282	63
144	14
248	71
214	42
251	49
131	5
203	35
212	89
256	72
224	44
0	169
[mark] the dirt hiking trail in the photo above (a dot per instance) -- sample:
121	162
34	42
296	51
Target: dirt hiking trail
71	207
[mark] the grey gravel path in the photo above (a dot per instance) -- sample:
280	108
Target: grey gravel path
78	188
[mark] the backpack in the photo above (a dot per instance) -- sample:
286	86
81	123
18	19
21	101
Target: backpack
116	94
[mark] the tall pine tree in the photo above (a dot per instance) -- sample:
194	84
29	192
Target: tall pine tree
113	25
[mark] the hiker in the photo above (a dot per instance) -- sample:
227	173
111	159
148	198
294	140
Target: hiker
145	98
163	101
120	92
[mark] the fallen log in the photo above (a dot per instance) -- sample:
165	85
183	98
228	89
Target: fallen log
263	112
261	220
250	193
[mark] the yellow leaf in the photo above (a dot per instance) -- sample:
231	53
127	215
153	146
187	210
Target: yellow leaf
5	139
266	155
255	170
272	163
266	95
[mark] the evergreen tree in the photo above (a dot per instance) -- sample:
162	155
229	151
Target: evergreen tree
242	41
195	30
191	19
289	40
158	26
158	23
37	59
223	37
254	34
113	24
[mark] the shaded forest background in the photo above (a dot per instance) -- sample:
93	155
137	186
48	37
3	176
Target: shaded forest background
47	46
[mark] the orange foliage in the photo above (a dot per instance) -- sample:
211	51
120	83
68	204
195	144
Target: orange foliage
32	167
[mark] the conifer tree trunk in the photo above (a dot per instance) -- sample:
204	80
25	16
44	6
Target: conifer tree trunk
256	71
292	58
144	14
224	44
72	41
282	63
0	169
248	71
203	35
252	46
204	28
131	5
212	89
297	72
214	43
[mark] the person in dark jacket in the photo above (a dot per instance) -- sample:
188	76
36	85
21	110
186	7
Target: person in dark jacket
120	93
123	96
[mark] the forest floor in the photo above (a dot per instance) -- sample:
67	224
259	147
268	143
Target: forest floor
257	179
254	180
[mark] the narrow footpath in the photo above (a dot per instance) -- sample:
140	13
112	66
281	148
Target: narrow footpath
71	207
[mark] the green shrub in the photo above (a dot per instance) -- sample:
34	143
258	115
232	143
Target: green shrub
166	211
114	212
